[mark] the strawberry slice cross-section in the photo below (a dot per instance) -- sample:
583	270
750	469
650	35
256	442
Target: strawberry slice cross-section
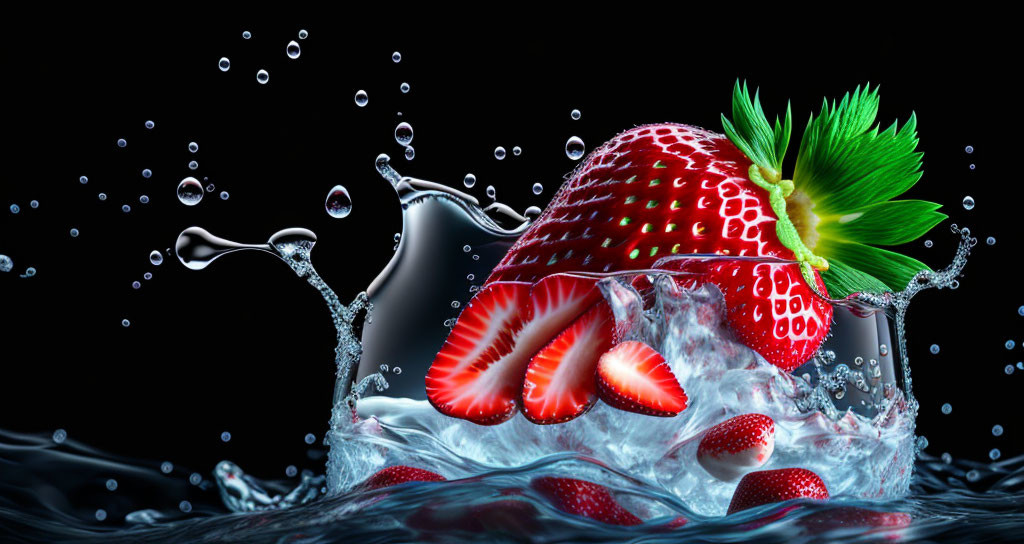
634	377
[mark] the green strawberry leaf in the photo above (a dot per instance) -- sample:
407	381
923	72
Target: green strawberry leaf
884	223
842	280
750	132
892	269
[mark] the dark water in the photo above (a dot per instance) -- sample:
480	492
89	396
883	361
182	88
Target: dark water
50	493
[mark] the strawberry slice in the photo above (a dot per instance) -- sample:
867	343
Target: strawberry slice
560	383
399	474
478	374
633	376
770	486
771	309
582	498
737	445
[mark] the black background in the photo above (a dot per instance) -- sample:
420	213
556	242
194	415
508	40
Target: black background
246	347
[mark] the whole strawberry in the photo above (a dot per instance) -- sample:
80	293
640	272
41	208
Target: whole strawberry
656	195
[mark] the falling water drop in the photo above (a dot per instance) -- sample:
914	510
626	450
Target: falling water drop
491	191
102	196
156	258
190	191
193	147
122	142
997	430
537	188
33	204
339	203
303	34
470	180
74	233
246	35
947	408
15	208
969	149
144	199
310	438
396	56
410	153
224	64
125	323
59	436
147	173
83	180
361	98
403	133
262	77
499	153
574	148
531	213
990	241
225	436
293	50
150	124
192	165
224	195
517	151
934	349
404	87
928	243
112	484
968	203
575	114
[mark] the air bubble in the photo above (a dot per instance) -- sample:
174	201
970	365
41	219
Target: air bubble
147	173
15	208
968	203
224	195
947	408
1008	369
994	454
195	478
397	370
291	471
476	257
990	241
1010	344
403	133
470	180
126	208
466	248
246	35
33	204
928	243
1020	311
338	203
922	442
102	196
947	458
455	304
517	151
303	34
74	233
190	191
361	98
136	284
499	153
396	57
156	257
293	50
969	149
147	276
262	77
574	148
125	323
491	192
410	153
112	484
973	475
470	277
193	147
185	506
59	436
971	166
83	179
209	187
575	114
537	188
121	142
934	349
101	514
166	467
150	124
997	430
225	436
29	272
224	64
404	87
192	165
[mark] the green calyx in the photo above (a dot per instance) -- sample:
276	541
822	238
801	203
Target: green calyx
837	208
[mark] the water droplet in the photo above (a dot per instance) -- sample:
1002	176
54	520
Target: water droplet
470	180
136	284
968	203
156	257
291	471
190	191
531	213
499	153
59	436
922	442
224	64
947	458
1008	370
403	133
397	370
973	475
1020	311
262	77
361	98
990	241
455	304
195	478
246	35
928	243
126	208
491	192
410	153
971	166
1020	365
470	277
166	467
293	50
517	151
969	149
33	204
15	208
384	368
225	436
575	114
398	237
476	257
310	438
994	454
404	87
537	188
209	187
934	349
74	233
947	408
339	203
185	506
125	323
122	142
101	514
574	148
29	272
303	34
147	276
192	165
193	147
150	124
997	430
147	173
396	56
83	180
224	195
1010	344
112	484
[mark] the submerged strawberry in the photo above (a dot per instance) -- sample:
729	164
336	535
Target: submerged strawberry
657	193
770	486
736	445
399	474
584	498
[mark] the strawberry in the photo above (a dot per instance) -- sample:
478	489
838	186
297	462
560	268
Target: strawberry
850	517
582	498
770	486
658	193
399	474
634	377
736	445
478	374
560	383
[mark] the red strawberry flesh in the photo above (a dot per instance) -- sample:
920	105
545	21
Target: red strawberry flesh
633	376
400	474
771	486
583	498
